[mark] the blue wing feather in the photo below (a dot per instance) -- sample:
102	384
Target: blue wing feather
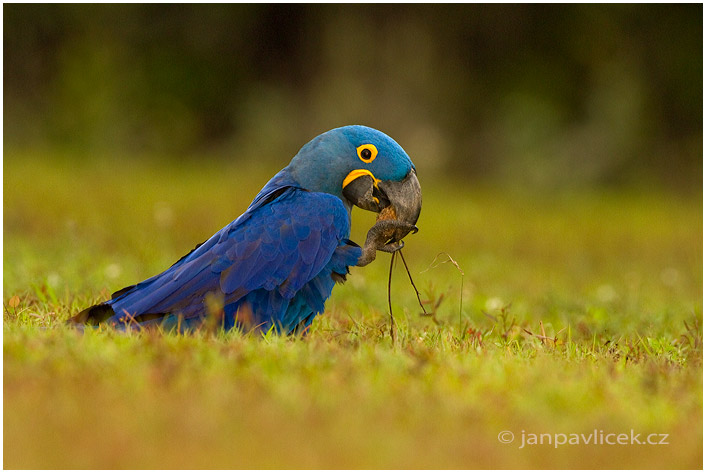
278	258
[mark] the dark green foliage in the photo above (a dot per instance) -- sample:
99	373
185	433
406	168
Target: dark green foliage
547	95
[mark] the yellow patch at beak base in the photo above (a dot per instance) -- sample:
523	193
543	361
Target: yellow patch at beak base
355	174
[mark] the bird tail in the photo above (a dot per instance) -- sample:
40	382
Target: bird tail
94	315
99	313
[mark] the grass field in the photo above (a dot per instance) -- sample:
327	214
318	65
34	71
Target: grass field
577	314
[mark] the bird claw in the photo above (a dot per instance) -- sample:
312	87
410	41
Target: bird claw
392	247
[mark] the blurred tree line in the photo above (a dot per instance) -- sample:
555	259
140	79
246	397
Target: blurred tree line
544	95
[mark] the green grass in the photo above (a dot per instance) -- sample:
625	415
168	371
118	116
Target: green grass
579	312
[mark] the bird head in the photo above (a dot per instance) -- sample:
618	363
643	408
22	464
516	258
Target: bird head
363	167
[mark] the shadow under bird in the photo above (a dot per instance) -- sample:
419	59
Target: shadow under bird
276	265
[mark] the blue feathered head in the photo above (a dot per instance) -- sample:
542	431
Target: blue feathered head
363	167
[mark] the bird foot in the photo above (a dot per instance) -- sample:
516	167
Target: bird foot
386	236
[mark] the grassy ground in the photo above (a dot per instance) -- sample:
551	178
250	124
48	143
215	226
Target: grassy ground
581	314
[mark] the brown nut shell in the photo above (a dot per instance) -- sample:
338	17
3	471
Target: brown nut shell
388	213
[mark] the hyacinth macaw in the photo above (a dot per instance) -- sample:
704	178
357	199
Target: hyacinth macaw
276	265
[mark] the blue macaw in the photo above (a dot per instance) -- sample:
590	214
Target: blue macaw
276	265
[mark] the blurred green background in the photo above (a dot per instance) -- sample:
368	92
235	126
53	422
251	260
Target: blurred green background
543	97
559	150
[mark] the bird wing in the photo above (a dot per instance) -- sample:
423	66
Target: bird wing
281	243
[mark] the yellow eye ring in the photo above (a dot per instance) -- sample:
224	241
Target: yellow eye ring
367	153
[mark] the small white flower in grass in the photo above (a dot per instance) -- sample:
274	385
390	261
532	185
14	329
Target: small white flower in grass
53	279
606	293
163	214
113	270
494	303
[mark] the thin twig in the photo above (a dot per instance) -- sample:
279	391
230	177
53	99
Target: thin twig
413	284
390	305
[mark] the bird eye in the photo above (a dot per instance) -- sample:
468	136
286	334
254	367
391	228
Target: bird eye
367	153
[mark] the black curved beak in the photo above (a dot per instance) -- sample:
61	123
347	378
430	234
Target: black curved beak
404	197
